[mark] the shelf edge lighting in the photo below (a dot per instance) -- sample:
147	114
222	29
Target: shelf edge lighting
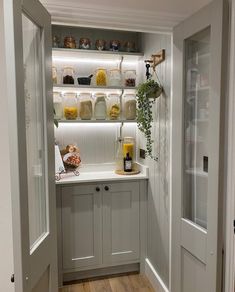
91	61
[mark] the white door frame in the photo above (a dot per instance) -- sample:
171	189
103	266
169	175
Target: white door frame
230	196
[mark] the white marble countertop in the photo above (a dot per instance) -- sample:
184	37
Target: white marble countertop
99	173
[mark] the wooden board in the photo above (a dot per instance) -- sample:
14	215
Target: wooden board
122	172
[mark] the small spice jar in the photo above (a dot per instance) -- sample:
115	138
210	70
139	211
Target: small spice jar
58	106
69	42
85	101
115	45
114	107
54	75
101	77
130	78
100	108
70	106
115	77
100	45
84	43
129	106
68	75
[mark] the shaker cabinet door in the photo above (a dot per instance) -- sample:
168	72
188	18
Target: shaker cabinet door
121	217
81	226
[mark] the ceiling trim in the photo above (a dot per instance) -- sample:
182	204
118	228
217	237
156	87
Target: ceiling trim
94	16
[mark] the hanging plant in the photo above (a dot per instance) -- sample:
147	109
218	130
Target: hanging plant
147	94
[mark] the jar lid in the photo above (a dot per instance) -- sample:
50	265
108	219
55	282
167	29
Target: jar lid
84	93
115	69
101	69
100	93
114	94
67	67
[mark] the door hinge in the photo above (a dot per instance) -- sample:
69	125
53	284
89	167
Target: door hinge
234	226
12	278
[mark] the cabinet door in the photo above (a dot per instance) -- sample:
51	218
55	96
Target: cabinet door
81	226
121	223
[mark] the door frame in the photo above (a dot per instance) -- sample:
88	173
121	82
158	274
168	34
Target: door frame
229	274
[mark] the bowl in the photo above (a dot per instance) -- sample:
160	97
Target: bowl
84	80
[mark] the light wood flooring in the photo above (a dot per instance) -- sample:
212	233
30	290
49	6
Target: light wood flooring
126	283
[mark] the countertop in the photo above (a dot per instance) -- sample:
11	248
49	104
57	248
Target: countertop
99	173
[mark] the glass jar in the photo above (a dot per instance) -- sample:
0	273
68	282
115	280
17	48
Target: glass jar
84	43
114	107
129	147
115	77
130	78
130	46
100	45
100	109
69	42
55	41
58	106
68	75
54	75
101	77
130	106
115	45
85	101
70	106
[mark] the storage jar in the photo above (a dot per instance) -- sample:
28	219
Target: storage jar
130	78
101	77
68	75
69	42
85	101
70	106
115	77
100	109
114	107
58	105
129	106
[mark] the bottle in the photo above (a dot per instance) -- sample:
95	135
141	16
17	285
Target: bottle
127	163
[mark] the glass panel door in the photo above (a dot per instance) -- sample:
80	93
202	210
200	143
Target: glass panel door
35	136
196	122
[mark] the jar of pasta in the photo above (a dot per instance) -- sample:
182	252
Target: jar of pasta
101	77
129	147
85	101
129	106
70	106
114	107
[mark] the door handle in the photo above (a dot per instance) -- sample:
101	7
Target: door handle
97	189
106	188
12	278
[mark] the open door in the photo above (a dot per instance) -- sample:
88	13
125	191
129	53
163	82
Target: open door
198	135
27	27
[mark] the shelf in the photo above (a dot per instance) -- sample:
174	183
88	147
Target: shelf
94	121
95	54
197	172
90	87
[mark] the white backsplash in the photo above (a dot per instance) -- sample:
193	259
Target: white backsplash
96	141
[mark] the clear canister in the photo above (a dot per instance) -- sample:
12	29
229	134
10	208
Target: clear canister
70	106
130	78
100	108
129	106
129	147
114	107
101	77
115	77
58	105
85	101
68	75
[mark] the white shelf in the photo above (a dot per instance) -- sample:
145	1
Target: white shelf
94	54
95	121
197	172
60	87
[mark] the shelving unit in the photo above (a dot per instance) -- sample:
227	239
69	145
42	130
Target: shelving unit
60	87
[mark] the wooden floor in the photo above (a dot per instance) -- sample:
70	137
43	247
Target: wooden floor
127	283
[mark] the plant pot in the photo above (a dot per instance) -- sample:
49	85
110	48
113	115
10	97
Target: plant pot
154	92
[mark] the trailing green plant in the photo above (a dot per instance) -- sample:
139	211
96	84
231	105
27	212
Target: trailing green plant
146	96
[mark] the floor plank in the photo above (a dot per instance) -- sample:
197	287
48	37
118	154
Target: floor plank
124	283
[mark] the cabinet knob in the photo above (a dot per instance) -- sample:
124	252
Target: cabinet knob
106	188
97	189
12	278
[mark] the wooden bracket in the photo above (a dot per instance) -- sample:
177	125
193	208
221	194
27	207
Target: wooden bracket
156	59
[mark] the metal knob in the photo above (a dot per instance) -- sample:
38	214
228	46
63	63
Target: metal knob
12	278
97	189
106	188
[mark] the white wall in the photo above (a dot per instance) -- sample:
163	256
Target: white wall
159	181
6	242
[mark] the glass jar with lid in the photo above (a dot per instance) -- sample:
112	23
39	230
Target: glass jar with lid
114	107
68	75
130	78
69	42
100	108
70	106
85	101
129	106
101	77
129	147
58	105
115	77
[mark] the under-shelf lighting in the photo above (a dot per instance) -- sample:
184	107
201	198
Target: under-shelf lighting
92	61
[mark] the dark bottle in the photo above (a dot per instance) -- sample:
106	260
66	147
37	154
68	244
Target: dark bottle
127	163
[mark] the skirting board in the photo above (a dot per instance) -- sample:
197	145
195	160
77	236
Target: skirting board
154	278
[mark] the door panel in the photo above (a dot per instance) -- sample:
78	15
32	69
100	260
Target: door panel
28	76
81	225
198	166
121	223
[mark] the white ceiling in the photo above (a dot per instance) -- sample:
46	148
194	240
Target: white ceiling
134	14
